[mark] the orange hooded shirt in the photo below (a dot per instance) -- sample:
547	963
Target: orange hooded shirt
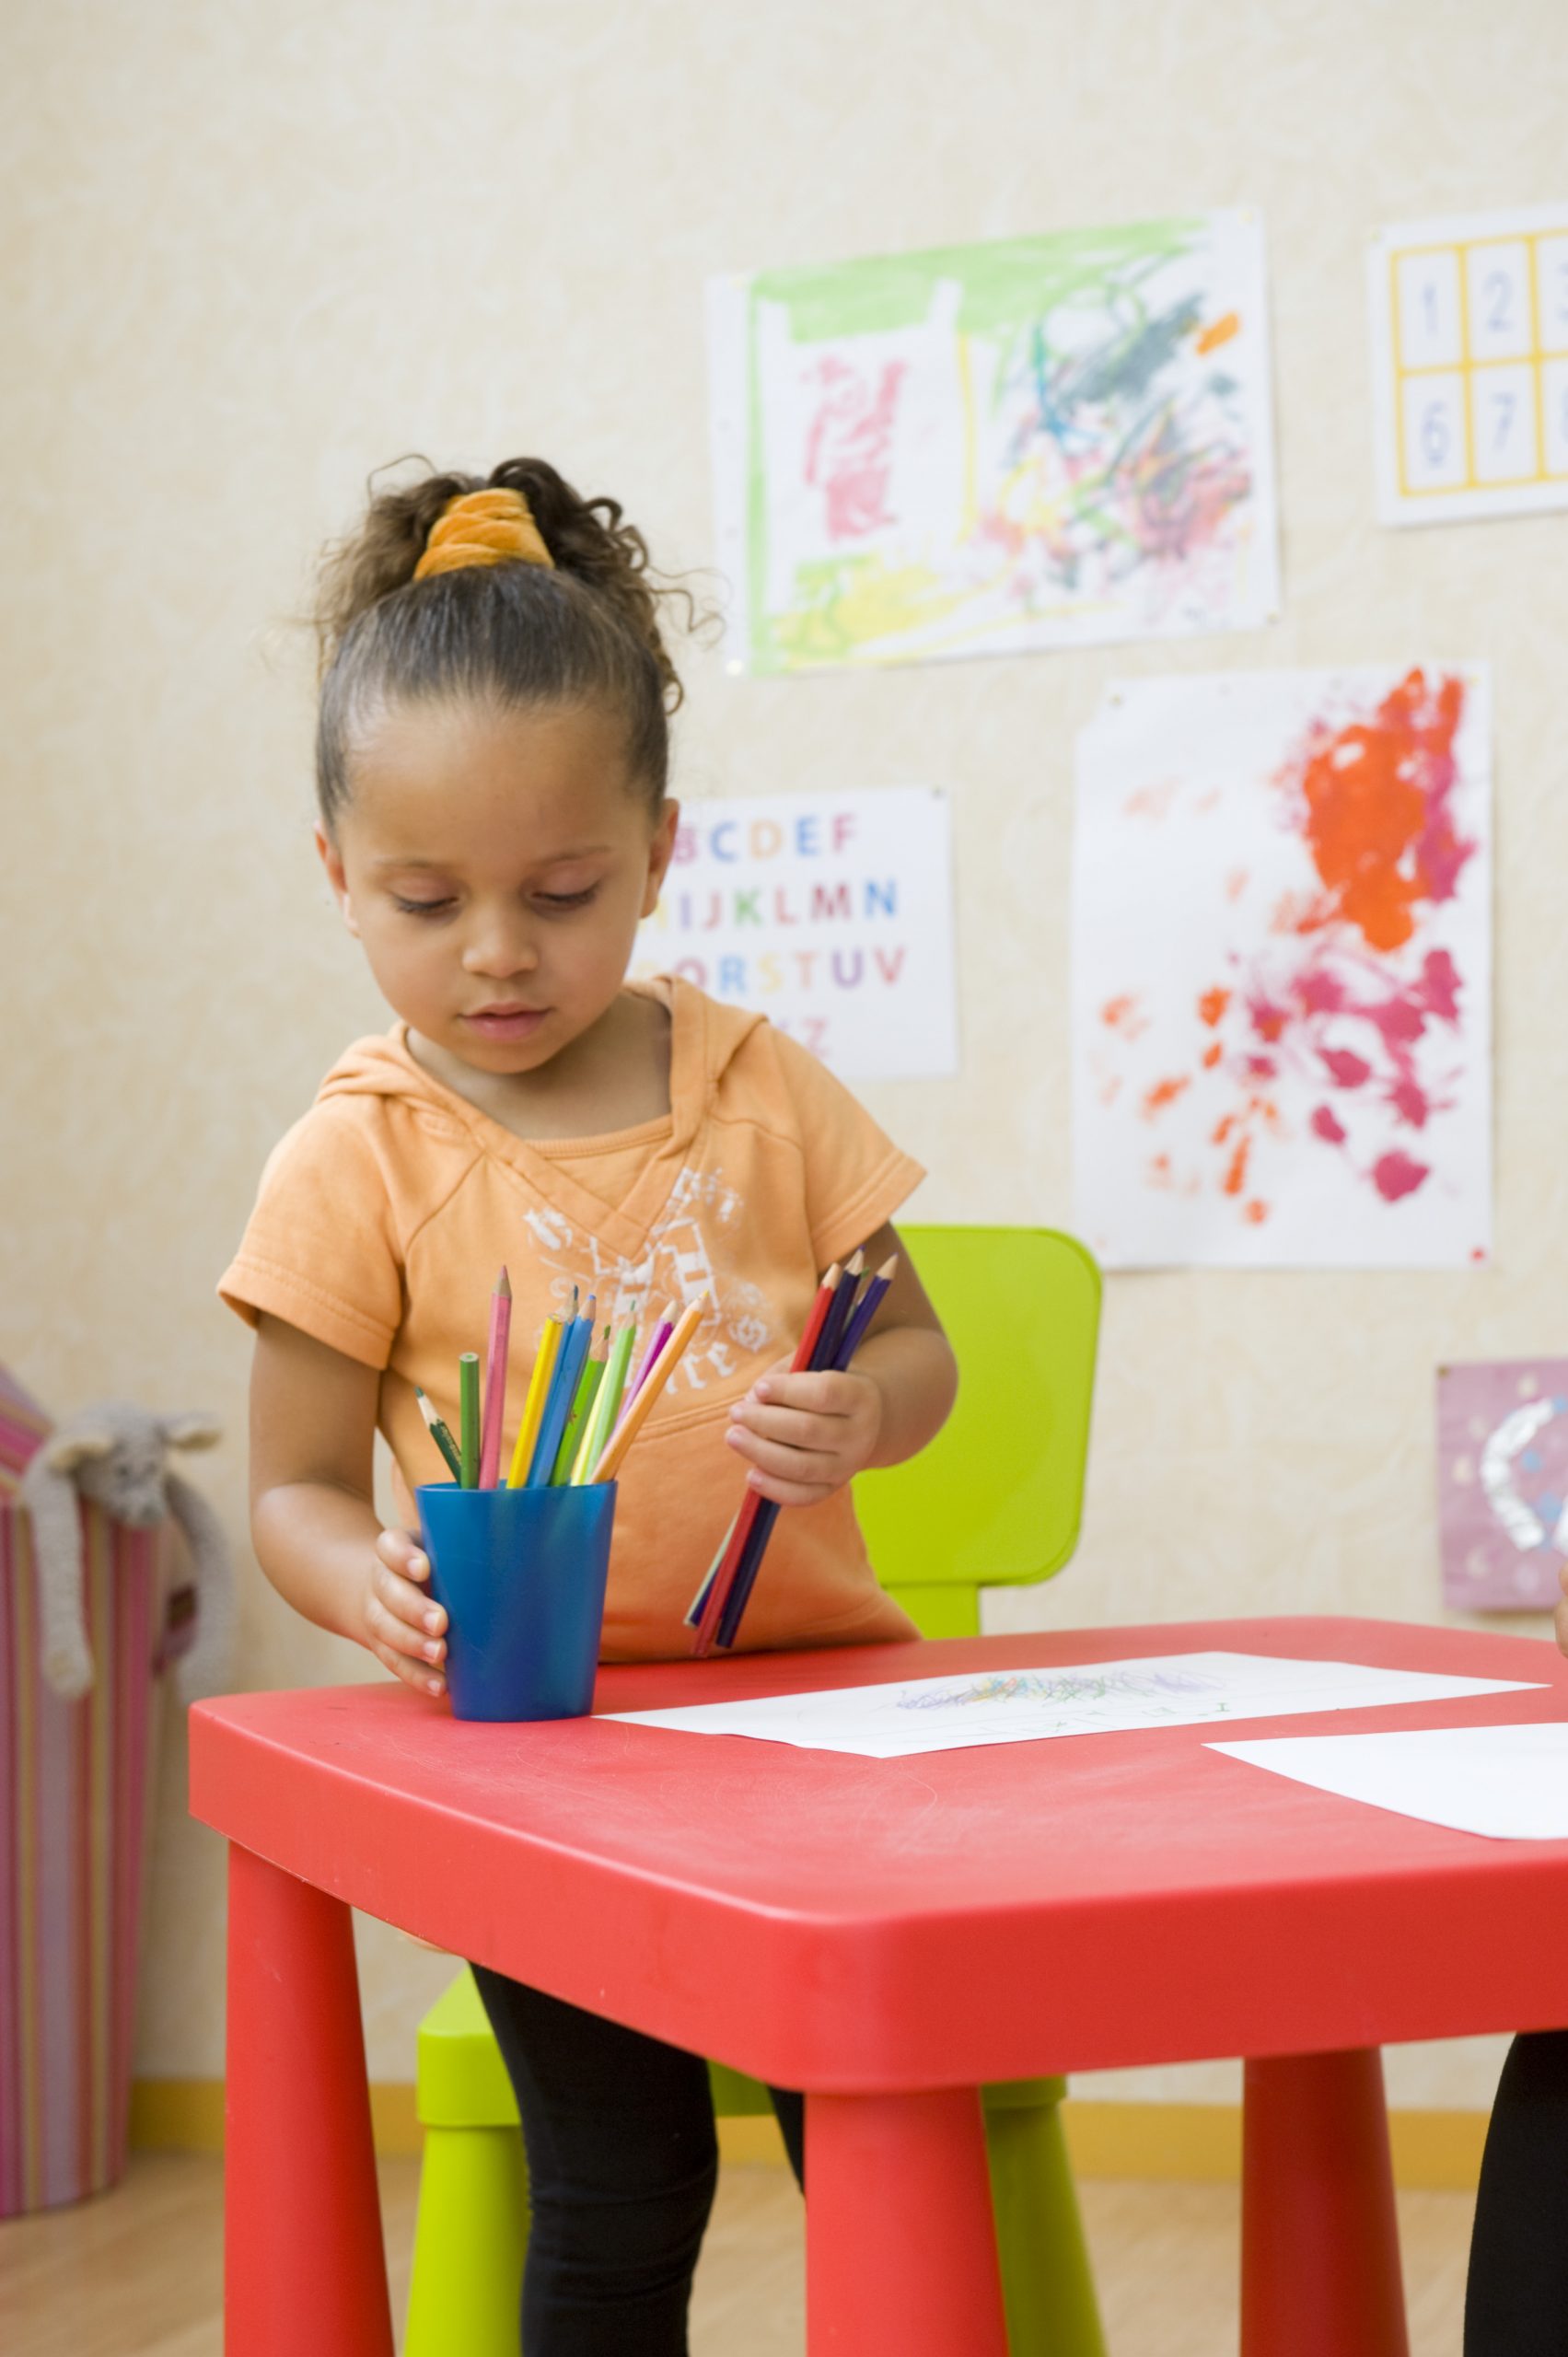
384	1214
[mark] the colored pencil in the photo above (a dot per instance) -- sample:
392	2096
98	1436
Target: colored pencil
533	1406
839	1316
752	1560
716	1595
468	1421
662	1329
600	1424
558	1406
609	1462
440	1435
496	1382
588	1390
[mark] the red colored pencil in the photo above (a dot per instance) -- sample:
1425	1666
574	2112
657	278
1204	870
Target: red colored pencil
718	1586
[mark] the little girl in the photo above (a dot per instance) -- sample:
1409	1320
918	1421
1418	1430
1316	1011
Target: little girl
492	765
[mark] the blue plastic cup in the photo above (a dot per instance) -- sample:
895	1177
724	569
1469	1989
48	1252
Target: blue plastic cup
521	1574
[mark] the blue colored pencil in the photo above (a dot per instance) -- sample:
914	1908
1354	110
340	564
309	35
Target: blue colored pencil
558	1401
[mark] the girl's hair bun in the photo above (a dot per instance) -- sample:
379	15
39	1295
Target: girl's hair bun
574	616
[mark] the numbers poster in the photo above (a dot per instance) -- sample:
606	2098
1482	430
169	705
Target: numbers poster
1470	351
982	449
1282	971
830	913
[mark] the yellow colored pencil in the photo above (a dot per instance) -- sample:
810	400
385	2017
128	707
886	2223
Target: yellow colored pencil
658	1374
533	1406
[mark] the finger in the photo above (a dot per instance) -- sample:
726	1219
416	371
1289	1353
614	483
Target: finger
819	1395
424	1681
400	1551
408	1602
816	1466
790	1493
791	1427
401	1635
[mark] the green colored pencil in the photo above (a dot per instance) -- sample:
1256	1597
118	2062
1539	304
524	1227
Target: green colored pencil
441	1434
607	1405
468	1425
588	1387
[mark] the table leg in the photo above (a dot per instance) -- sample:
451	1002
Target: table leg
900	2250
1321	2243
303	2264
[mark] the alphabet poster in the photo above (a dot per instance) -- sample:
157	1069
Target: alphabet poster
980	449
1282	971
830	913
1470	349
1502	1483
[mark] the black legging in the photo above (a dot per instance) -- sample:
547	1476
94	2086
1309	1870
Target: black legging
622	2162
1516	2300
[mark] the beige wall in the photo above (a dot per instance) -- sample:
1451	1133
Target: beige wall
253	247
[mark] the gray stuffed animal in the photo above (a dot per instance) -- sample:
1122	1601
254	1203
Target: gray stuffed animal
117	1456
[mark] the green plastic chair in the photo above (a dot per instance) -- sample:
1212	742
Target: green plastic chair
995	1501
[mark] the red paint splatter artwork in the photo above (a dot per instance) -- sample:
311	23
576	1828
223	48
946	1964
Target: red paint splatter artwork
1300	918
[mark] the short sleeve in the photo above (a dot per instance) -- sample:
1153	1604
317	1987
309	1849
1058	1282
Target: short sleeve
856	1176
321	1250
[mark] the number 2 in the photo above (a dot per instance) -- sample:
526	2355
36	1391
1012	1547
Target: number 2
1496	299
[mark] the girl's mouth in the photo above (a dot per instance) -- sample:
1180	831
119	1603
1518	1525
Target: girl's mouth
507	1022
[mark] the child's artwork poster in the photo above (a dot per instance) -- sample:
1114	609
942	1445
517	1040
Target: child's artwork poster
830	913
1469	353
1502	1483
982	449
1282	971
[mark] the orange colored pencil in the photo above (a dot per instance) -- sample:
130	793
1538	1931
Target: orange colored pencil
610	1457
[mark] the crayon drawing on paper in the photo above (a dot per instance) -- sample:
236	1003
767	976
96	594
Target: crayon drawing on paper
983	449
1502	1483
1280	971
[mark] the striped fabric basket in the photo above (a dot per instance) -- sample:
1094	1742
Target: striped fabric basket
75	1781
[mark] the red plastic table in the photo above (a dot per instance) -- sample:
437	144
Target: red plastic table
886	1934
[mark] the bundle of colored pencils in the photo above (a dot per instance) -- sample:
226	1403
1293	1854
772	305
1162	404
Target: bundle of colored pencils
841	1315
584	1406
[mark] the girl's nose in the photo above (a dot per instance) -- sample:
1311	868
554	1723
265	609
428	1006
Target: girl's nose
499	950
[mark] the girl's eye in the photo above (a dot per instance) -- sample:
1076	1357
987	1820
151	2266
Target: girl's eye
423	908
557	900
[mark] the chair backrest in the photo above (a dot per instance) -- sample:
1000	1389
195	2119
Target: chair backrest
996	1498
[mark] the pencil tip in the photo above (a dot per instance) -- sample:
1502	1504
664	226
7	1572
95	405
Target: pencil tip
889	1268
504	1285
856	1263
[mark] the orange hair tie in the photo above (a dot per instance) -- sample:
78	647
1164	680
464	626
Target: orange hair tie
483	527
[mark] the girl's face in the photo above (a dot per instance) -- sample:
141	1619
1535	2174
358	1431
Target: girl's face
495	864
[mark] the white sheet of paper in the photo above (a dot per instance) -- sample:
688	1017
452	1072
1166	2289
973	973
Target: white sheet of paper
957	1713
1509	1782
1049	441
1281	1055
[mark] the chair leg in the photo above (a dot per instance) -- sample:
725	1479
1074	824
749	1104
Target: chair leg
469	2243
1047	2283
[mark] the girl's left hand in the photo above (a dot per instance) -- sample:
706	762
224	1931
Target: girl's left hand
806	1435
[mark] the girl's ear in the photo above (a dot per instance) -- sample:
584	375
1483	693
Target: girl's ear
333	861
661	851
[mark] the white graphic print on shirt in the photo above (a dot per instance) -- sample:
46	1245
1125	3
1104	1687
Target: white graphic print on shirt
676	1266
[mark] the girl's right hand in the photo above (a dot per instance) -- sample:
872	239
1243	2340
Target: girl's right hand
404	1627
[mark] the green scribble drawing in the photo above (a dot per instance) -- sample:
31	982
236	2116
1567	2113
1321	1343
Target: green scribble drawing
1023	443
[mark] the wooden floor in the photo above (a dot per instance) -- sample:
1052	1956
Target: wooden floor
137	2274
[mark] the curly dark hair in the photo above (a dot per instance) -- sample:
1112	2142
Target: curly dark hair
586	632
